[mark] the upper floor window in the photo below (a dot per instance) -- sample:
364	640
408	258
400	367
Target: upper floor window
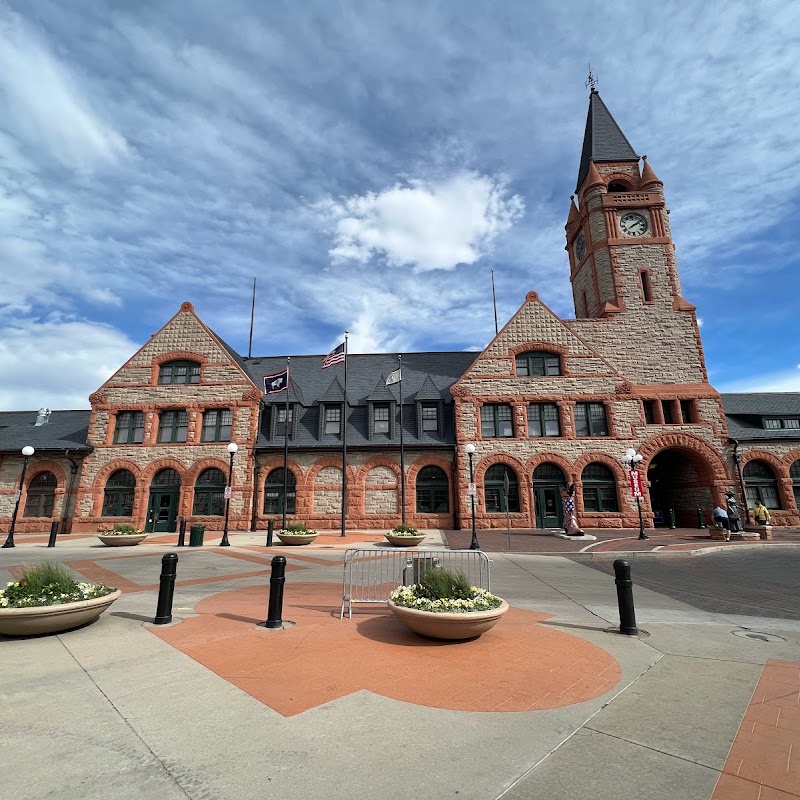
217	425
776	424
173	426
280	420
496	421
668	412
380	418
590	419
649	411
543	420
687	410
538	364
333	419
430	417
130	427
179	372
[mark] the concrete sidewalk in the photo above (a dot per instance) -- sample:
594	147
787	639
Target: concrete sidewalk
120	703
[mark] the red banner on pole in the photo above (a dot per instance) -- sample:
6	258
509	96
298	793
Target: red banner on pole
636	483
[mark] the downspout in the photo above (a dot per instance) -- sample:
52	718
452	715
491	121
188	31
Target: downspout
738	460
73	472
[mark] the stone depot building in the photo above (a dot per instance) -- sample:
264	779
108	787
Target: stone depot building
550	401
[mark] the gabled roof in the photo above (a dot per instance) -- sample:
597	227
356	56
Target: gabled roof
428	391
334	393
65	430
603	139
381	393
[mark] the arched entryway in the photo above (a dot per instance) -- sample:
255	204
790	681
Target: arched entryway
680	480
547	482
162	510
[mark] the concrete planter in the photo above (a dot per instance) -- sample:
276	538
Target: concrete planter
51	619
448	625
404	541
126	540
297	538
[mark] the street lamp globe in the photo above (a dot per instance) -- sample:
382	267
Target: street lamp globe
233	447
27	451
632	460
470	449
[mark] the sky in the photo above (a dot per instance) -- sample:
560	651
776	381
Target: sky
371	163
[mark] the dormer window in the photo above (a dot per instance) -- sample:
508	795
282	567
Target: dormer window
380	418
774	424
179	372
538	363
333	420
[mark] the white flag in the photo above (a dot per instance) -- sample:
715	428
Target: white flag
394	377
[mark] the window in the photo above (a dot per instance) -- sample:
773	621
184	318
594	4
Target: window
599	488
590	419
649	412
273	492
209	493
647	292
430	417
130	427
380	418
760	483
617	186
543	420
496	421
217	425
333	419
772	424
41	495
686	411
667	411
493	487
173	426
433	493
179	372
118	495
537	364
166	479
775	424
280	420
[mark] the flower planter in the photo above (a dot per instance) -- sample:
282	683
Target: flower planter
297	538
404	541
50	619
124	540
448	625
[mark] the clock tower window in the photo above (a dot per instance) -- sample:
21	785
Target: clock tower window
618	186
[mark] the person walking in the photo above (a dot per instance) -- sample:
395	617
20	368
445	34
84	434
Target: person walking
733	512
761	514
720	517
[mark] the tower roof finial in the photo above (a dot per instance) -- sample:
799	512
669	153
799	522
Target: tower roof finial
591	81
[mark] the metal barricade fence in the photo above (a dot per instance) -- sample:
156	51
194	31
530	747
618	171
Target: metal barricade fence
370	575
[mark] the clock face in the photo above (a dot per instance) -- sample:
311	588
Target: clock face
633	224
580	247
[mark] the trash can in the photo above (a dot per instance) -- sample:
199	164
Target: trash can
196	533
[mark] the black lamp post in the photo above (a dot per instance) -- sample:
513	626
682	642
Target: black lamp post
232	448
737	458
27	452
470	448
632	460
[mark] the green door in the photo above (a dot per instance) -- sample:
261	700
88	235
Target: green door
549	513
162	512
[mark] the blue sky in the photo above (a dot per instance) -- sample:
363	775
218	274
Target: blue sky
370	163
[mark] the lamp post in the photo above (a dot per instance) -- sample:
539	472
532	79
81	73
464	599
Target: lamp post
737	458
470	449
232	448
27	452
632	460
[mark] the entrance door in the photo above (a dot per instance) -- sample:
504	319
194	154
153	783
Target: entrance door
162	512
549	512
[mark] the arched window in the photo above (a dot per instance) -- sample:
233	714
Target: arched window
794	474
538	363
760	483
209	493
618	186
599	488
179	372
433	492
493	489
166	479
548	473
41	495
118	495
273	493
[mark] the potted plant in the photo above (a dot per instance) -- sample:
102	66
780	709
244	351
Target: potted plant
121	535
296	533
404	536
47	599
443	605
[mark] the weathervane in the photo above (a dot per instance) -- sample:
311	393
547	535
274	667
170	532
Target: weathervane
591	81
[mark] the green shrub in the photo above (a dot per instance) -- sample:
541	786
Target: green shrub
125	527
404	530
437	583
48	584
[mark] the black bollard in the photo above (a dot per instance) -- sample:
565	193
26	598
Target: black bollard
700	523
270	531
182	533
672	524
169	570
627	613
51	542
276	581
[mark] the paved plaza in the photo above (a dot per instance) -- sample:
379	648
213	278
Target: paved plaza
552	702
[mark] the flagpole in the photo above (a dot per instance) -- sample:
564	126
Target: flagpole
494	303
286	446
344	439
402	454
252	318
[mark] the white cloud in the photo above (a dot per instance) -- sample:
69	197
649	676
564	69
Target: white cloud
782	381
426	224
86	354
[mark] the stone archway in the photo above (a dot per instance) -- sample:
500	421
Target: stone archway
682	480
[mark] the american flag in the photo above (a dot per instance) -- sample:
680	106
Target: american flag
336	356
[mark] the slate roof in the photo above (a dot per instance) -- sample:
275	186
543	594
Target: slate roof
744	413
65	430
603	139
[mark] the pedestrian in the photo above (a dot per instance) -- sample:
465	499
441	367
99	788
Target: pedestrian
733	512
761	513
720	517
